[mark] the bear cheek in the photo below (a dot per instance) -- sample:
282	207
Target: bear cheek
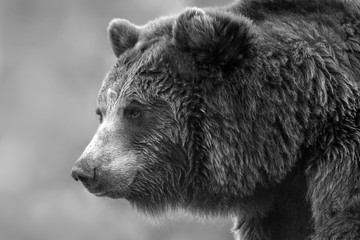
119	172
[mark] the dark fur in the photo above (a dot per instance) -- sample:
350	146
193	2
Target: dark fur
253	111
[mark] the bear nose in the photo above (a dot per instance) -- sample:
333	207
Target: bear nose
84	172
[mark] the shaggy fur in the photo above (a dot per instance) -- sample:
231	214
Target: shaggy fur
250	110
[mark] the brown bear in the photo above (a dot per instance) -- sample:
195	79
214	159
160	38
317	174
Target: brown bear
250	110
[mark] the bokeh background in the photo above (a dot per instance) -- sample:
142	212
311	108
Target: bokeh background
53	56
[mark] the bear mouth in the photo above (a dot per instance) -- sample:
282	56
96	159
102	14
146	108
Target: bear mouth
101	194
110	194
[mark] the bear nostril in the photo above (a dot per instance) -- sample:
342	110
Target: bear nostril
84	176
74	175
83	179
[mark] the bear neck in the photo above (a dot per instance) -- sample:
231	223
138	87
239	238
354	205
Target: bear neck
250	125
288	217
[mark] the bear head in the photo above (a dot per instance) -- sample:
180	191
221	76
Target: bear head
176	122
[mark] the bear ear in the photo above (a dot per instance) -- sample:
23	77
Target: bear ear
221	38
123	35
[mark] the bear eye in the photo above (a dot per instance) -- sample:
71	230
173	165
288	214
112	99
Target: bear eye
132	113
98	112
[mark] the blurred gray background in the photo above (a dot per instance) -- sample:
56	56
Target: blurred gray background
53	56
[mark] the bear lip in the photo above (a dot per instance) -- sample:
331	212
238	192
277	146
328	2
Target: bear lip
110	194
100	194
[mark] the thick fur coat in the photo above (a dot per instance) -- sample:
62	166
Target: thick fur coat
250	110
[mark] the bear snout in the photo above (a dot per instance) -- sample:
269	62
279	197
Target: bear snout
84	172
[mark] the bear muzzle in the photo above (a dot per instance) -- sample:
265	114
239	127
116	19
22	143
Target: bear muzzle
85	173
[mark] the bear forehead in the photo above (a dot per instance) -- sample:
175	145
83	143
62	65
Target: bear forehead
151	62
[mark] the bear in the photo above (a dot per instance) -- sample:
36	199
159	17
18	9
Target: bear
250	110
